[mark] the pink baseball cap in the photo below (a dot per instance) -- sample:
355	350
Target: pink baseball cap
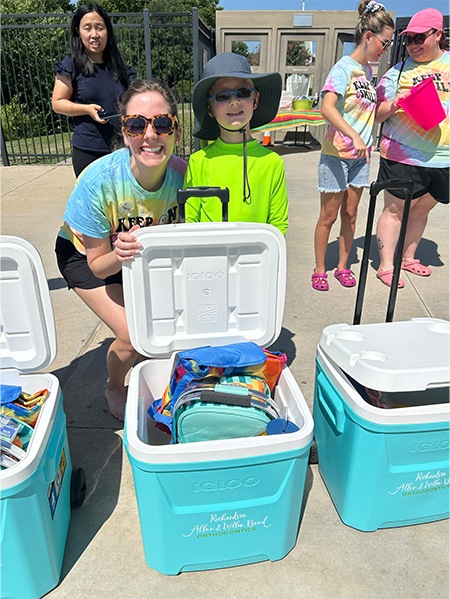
424	20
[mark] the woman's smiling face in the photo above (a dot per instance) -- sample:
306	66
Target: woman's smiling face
426	51
150	150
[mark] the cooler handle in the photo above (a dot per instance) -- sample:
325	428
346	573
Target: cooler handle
330	403
53	459
203	191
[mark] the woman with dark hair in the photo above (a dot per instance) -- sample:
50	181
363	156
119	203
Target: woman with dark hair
89	82
135	186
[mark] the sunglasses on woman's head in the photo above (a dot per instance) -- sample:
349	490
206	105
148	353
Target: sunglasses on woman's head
136	124
418	38
224	95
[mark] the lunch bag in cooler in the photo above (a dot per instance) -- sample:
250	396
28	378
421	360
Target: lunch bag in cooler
221	411
244	375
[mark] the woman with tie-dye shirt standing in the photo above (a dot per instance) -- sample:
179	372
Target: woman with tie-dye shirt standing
348	105
407	150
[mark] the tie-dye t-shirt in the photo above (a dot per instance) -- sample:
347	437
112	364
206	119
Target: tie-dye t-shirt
107	199
403	139
356	102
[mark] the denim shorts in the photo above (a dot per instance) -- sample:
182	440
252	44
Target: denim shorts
337	174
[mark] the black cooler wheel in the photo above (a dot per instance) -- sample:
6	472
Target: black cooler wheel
313	455
77	487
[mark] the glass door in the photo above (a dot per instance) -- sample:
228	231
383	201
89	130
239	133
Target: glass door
252	46
301	56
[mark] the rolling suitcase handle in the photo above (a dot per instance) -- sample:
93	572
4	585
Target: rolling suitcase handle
375	188
203	192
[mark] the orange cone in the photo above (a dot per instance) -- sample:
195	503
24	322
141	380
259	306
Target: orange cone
267	140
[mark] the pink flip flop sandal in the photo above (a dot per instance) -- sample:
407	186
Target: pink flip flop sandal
385	277
345	277
319	281
416	268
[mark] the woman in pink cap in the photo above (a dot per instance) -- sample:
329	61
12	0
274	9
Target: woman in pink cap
409	152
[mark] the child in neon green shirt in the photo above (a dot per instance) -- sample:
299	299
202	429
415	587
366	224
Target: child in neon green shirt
228	102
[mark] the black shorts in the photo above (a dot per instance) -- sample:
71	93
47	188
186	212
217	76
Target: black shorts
434	181
75	269
83	158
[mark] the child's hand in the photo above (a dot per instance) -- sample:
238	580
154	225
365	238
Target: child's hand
127	246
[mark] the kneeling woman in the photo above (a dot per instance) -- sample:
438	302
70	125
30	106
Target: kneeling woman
131	187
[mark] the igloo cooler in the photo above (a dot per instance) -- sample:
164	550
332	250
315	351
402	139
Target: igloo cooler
211	504
384	467
34	493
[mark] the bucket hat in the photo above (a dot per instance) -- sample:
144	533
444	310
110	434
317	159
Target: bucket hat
234	65
424	20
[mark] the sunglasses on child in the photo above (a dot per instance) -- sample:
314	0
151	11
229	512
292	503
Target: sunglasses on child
224	95
418	39
136	124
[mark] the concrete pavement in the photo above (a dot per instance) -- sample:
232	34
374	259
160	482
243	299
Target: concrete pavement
104	556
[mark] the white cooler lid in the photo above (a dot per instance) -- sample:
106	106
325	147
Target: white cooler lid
199	284
27	326
396	356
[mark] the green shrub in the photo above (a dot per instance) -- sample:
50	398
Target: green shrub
17	122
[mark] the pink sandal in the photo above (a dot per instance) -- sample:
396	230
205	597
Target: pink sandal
416	268
345	277
385	277
320	281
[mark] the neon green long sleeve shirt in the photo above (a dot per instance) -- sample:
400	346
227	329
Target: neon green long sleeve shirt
220	164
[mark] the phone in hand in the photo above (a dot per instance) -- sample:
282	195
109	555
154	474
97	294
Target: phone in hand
107	115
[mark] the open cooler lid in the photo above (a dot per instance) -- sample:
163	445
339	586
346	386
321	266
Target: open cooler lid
27	326
396	356
200	284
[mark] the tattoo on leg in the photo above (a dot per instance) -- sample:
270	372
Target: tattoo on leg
380	244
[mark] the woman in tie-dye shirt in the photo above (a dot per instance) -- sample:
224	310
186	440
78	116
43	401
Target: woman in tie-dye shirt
349	103
408	152
133	187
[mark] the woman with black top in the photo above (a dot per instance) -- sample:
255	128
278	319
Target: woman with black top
90	81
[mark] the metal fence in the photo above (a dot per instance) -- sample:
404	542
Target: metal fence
172	47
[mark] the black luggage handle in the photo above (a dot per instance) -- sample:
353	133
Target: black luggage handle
203	192
375	188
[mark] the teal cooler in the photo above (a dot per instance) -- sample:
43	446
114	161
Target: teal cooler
35	493
384	467
221	503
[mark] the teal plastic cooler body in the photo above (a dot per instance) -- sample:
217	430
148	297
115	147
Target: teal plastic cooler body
35	518
207	515
215	504
34	493
382	467
211	504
